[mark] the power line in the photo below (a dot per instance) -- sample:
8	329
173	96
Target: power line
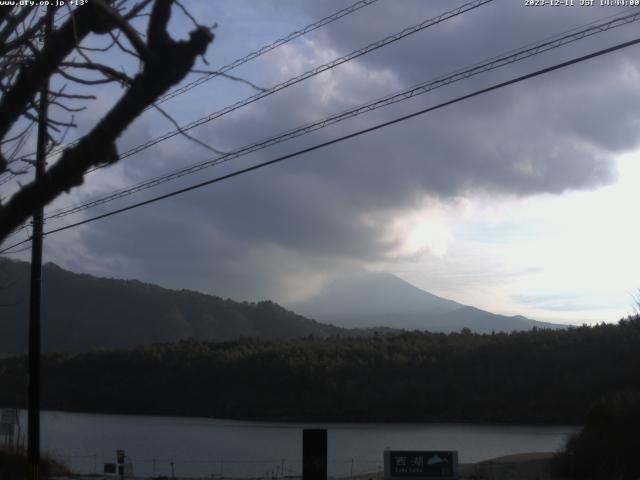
344	137
292	81
20	250
494	62
306	75
267	48
422	88
247	58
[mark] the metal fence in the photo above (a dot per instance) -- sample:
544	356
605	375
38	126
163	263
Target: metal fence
219	469
92	467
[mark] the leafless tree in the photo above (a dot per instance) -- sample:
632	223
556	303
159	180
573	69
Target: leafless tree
68	56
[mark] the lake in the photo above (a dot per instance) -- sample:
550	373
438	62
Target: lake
209	447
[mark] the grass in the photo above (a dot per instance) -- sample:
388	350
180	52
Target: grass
13	465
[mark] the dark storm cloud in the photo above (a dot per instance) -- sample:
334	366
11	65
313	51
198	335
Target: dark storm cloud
480	33
243	237
184	245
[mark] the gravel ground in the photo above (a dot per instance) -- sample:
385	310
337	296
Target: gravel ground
527	466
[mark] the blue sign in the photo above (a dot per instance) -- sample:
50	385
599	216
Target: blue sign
420	464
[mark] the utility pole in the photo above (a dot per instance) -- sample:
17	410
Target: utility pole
33	446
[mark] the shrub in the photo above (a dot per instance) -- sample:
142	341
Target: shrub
13	466
608	445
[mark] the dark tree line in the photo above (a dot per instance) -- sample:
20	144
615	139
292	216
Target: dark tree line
607	446
540	376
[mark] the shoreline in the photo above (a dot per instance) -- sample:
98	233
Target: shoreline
292	422
523	466
520	466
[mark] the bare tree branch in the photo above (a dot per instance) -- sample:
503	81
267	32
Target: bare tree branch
65	107
136	9
187	13
76	96
11	22
86	81
124	26
230	77
164	64
18	135
104	69
61	42
185	134
116	40
22	38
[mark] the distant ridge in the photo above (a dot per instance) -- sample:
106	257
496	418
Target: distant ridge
80	312
374	293
375	299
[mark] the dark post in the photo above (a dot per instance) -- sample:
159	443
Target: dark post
120	456
33	446
314	454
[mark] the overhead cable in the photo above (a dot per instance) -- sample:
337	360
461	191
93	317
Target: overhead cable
318	146
265	49
247	58
406	94
309	74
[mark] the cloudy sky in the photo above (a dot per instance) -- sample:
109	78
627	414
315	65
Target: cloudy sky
519	201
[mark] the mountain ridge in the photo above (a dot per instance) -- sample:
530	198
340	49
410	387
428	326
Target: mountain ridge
81	311
362	300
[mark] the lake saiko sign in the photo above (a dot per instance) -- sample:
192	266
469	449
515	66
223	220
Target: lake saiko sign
420	465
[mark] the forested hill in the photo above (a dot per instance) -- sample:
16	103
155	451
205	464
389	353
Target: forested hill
81	311
550	376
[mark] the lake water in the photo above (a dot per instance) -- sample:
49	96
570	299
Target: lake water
208	447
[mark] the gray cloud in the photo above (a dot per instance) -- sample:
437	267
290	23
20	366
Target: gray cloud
569	303
250	236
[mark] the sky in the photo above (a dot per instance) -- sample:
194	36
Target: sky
519	201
